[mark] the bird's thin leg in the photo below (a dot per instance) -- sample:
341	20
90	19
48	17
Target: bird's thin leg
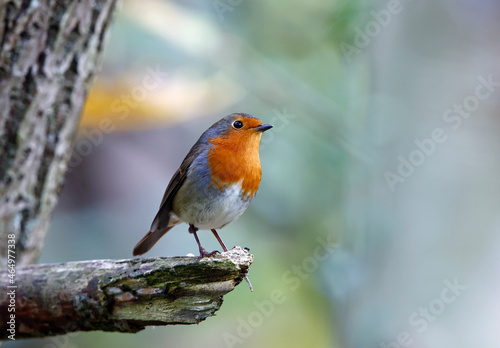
219	239
225	249
203	251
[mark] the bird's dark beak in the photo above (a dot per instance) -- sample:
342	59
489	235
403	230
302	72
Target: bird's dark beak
263	127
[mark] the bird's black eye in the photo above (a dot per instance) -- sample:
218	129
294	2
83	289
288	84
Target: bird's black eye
237	124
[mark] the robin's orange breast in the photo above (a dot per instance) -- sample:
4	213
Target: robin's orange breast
234	158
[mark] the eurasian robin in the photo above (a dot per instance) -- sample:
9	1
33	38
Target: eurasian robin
215	183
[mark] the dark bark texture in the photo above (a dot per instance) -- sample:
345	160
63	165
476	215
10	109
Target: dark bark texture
119	295
49	53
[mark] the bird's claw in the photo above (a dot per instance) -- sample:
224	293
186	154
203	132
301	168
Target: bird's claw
205	253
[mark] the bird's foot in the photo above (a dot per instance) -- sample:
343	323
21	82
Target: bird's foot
205	253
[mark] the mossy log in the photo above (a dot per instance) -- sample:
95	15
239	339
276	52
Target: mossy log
118	295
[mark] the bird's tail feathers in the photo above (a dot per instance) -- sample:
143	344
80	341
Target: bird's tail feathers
149	240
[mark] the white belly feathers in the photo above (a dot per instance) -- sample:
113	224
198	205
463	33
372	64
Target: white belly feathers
217	211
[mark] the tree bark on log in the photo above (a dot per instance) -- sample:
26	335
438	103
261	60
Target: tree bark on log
119	295
49	53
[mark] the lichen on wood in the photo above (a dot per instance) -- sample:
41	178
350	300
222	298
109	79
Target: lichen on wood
120	295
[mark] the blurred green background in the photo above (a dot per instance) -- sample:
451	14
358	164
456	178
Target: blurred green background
377	220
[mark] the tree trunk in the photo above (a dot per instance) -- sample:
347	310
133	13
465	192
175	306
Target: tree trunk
116	295
49	53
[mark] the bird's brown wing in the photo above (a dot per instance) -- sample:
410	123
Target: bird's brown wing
160	224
